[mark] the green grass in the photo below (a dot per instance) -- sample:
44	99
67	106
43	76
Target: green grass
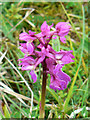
24	103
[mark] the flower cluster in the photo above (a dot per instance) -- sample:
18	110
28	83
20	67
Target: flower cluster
54	60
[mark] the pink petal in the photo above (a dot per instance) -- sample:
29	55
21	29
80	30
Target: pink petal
28	67
31	33
63	76
33	76
24	36
30	48
40	60
40	46
23	44
50	55
50	64
63	39
23	49
54	37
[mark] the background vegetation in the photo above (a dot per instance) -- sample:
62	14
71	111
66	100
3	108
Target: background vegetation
16	86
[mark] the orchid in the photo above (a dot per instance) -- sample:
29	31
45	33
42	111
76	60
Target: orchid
63	29
52	61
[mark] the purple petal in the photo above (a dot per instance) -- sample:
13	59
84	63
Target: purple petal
51	50
63	25
42	40
40	46
50	55
30	48
63	32
28	67
50	64
67	56
40	60
64	57
23	45
67	59
44	26
62	29
28	59
33	76
57	84
63	76
24	36
39	35
23	64
51	25
58	56
45	29
54	37
31	33
59	80
23	49
63	39
38	53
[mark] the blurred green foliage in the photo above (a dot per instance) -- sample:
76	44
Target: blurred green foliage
12	12
13	23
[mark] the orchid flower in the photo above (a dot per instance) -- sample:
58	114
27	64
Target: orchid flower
60	58
52	61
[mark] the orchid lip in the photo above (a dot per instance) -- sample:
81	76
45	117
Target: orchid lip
28	67
59	62
58	56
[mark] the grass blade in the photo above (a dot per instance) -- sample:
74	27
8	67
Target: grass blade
70	20
53	93
75	77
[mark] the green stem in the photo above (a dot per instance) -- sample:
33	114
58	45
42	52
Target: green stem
42	104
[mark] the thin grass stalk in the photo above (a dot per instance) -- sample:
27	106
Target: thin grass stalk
23	80
75	77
